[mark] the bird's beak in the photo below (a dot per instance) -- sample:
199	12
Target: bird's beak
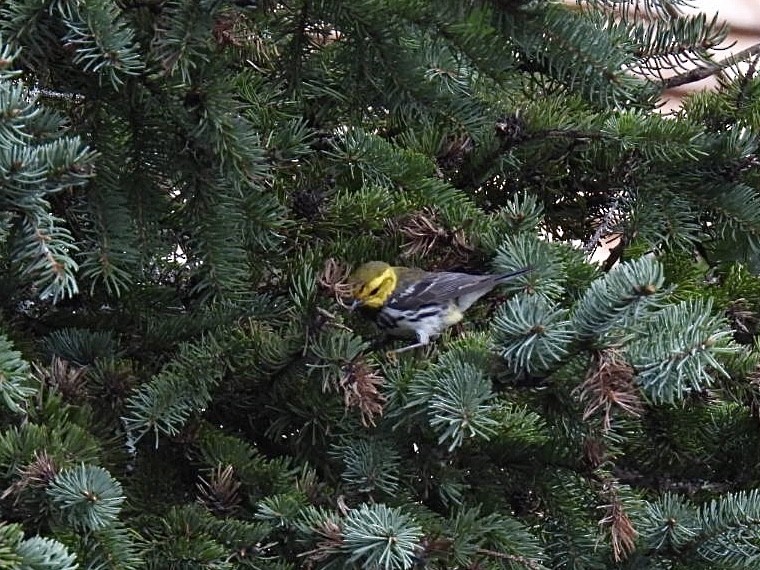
356	304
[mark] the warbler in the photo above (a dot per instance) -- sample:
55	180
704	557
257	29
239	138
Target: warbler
409	302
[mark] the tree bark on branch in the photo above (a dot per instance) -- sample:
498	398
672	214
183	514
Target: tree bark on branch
703	72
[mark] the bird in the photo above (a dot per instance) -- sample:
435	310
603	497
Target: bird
411	302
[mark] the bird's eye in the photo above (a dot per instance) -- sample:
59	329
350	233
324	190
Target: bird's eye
374	291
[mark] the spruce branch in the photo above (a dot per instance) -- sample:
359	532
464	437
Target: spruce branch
15	387
621	296
670	8
381	537
40	472
288	510
678	349
703	72
8	54
520	560
38	160
599	68
523	213
330	543
528	250
44	250
38	553
216	448
179	39
666	44
730	529
531	334
181	389
113	547
81	347
370	466
456	397
724	529
88	497
102	42
207	540
11	536
471	535
112	255
735	205
227	175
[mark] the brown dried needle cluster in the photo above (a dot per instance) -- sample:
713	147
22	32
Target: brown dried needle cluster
226	31
220	493
754	392
744	321
361	389
64	377
608	385
233	29
622	533
334	280
594	451
37	474
332	540
423	234
511	130
454	150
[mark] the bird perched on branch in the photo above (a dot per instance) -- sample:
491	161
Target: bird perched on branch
408	302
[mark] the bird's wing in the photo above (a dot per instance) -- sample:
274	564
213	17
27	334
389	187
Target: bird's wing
442	286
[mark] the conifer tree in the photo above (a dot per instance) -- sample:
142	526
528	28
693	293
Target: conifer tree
184	187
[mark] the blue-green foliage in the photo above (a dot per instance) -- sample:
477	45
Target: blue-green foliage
87	496
184	186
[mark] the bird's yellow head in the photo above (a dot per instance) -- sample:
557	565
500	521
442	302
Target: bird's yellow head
373	283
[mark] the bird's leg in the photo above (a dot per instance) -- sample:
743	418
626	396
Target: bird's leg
406	348
422	340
